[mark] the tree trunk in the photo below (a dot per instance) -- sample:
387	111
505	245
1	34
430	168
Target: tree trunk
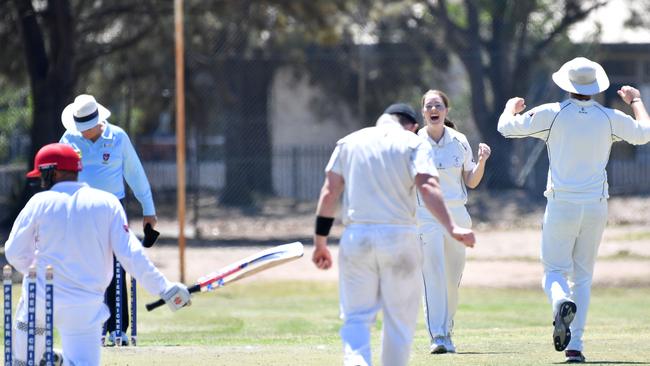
51	76
486	116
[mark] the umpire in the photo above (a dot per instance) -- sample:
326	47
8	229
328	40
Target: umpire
377	170
109	159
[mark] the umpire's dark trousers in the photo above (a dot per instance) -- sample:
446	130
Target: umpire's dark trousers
109	298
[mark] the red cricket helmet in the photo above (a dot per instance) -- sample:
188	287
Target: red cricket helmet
59	156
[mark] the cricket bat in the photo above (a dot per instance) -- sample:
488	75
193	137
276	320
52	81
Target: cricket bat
243	268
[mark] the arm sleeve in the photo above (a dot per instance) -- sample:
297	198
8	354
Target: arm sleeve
20	248
469	163
626	128
334	164
534	123
129	251
422	160
136	178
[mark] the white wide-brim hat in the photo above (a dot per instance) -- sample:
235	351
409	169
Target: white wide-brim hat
581	76
83	114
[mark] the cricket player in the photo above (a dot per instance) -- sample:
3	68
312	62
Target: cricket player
444	257
579	133
76	229
109	159
377	170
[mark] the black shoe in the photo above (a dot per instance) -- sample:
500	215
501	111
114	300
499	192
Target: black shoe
574	356
563	319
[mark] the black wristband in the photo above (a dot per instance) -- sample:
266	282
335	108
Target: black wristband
323	225
635	100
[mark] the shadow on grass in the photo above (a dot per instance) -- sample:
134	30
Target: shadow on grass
609	363
485	353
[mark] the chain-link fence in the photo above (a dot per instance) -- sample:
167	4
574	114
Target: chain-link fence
263	117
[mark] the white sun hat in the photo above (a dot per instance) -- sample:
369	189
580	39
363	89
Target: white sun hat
83	114
581	76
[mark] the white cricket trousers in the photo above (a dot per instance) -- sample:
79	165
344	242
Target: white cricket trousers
79	328
442	270
380	267
571	236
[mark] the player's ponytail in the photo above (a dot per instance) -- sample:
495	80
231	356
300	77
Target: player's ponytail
450	124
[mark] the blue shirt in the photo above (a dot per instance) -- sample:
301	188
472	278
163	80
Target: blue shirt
109	161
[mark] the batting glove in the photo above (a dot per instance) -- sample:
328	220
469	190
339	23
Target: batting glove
176	296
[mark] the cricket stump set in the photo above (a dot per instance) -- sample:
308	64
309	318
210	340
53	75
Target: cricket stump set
31	316
118	310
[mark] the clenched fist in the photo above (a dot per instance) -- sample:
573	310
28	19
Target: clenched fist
515	105
484	152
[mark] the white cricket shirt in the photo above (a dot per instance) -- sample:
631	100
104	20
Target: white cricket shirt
378	165
578	136
76	229
452	156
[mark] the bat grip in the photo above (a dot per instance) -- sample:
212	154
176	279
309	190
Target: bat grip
160	302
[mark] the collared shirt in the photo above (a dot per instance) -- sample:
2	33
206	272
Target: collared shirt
378	165
76	229
453	156
578	136
109	161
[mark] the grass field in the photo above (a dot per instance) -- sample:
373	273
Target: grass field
296	323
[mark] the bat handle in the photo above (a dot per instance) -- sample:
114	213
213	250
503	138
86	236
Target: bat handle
160	302
155	304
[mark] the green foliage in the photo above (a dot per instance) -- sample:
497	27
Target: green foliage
15	110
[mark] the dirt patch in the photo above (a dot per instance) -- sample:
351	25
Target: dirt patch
506	255
506	258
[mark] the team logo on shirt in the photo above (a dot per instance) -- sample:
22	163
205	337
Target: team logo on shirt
105	157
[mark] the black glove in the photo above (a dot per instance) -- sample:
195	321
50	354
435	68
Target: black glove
150	236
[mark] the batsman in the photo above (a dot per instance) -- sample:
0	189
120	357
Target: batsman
76	229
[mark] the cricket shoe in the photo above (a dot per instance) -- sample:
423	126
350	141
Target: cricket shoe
449	344
58	359
438	345
574	356
112	336
561	325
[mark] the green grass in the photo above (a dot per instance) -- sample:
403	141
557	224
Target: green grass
296	323
633	236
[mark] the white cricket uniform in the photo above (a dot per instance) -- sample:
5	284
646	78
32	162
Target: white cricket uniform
76	229
578	136
444	257
380	258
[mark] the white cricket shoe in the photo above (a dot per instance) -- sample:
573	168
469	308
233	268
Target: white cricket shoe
561	325
438	345
111	339
58	358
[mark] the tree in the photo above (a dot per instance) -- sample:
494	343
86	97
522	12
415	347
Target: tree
62	39
499	43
